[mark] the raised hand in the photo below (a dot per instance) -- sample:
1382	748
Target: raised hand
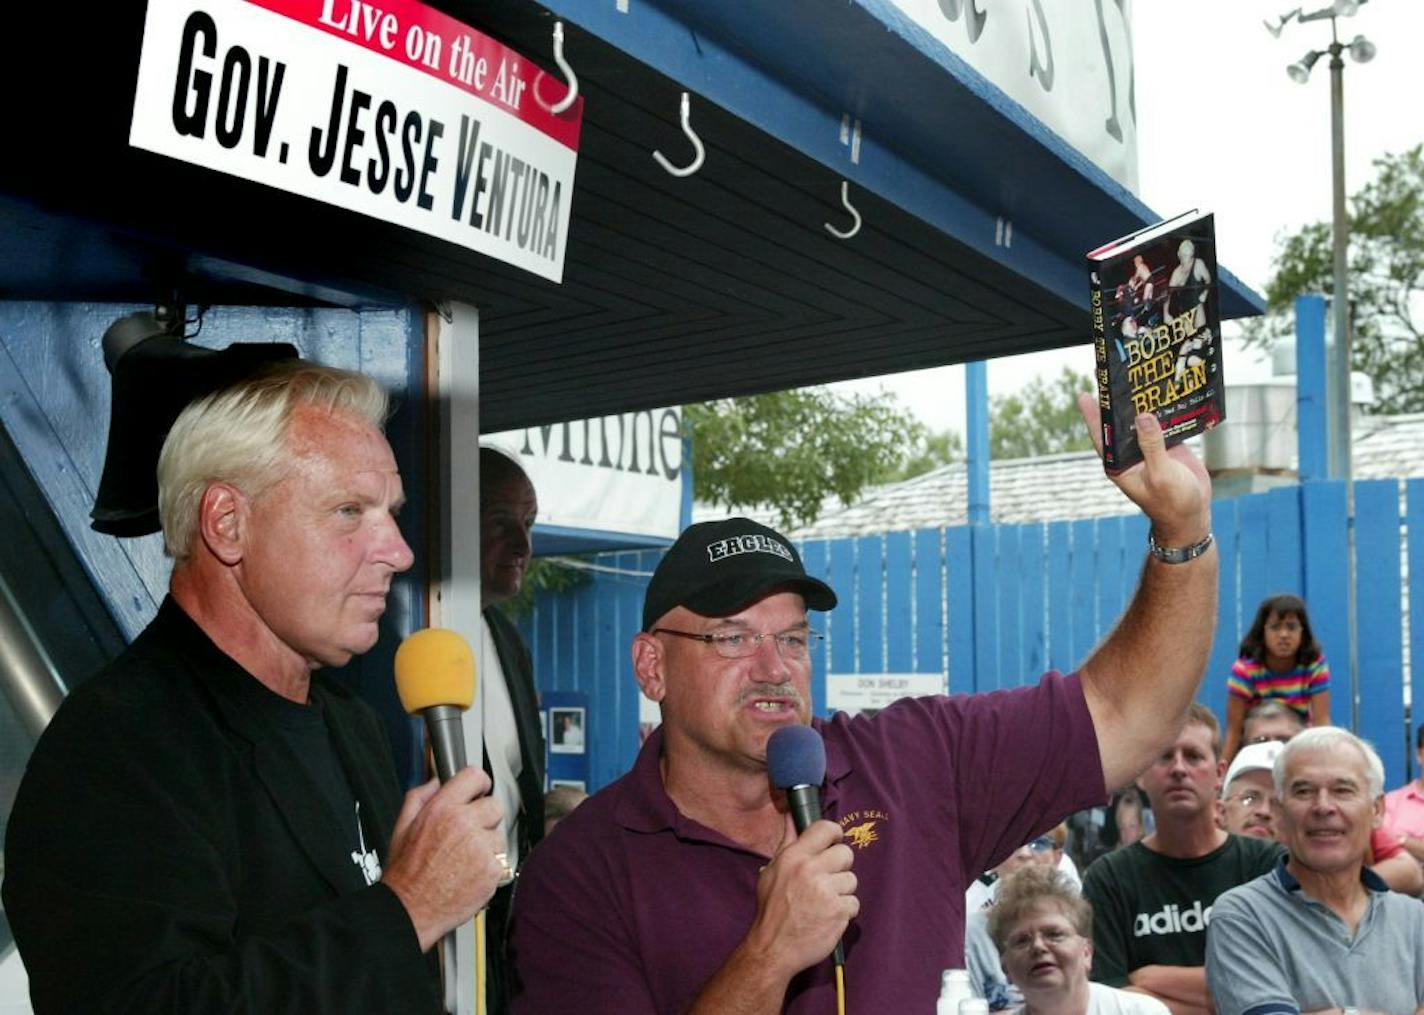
1170	485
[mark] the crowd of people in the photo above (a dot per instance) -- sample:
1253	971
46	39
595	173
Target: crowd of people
1277	884
1280	882
255	853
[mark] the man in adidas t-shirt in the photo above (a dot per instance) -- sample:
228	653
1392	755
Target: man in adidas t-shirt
1152	900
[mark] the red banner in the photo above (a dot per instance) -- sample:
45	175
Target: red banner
427	40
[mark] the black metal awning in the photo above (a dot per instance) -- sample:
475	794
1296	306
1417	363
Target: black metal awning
675	290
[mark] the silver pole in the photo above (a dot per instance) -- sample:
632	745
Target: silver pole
27	674
1341	235
1341	300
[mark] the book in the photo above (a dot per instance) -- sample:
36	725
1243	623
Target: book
1156	319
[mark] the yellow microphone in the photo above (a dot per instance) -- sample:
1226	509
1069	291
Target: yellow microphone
435	678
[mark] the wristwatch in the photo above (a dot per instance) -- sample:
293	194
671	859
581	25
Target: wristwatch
1177	554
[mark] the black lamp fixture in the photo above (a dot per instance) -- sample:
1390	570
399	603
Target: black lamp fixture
156	372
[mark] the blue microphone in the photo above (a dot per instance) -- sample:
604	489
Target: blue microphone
796	761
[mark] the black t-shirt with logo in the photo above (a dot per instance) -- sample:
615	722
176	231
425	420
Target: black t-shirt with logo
304	730
1150	909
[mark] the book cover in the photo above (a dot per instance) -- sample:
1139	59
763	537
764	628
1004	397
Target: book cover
1156	323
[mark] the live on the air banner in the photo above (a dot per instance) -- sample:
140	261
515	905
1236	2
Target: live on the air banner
398	112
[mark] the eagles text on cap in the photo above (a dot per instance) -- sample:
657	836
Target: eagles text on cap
746	544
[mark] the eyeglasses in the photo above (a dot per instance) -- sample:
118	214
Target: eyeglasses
1053	937
792	646
1250	798
1280	738
1042	844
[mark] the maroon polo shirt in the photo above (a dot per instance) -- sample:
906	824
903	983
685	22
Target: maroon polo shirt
631	907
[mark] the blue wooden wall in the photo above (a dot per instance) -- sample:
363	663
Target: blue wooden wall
581	641
995	605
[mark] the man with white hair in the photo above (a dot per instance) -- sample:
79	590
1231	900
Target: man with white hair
1248	807
1320	932
211	824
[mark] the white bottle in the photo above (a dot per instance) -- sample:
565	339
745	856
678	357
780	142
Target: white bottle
974	1006
954	987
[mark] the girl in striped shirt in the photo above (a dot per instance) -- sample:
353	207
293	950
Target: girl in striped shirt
1280	661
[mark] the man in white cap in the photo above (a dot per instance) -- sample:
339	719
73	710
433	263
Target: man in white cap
1246	806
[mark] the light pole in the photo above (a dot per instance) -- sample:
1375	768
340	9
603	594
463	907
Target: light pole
1361	51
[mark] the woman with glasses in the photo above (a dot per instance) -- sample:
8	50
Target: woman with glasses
1280	660
1044	932
981	957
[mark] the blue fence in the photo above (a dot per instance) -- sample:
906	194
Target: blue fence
994	606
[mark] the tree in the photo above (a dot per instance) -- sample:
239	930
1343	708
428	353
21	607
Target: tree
791	450
1386	266
788	450
930	452
544	574
1040	419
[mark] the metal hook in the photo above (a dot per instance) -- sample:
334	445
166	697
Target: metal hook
696	145
845	200
572	94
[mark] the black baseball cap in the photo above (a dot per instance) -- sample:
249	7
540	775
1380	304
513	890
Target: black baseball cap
716	568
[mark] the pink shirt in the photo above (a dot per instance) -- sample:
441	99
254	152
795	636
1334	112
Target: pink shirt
1404	810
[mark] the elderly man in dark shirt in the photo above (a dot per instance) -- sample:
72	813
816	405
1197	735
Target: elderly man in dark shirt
210	824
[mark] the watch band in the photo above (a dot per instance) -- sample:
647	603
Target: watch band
1177	554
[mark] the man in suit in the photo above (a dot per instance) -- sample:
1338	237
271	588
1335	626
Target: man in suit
505	717
211	824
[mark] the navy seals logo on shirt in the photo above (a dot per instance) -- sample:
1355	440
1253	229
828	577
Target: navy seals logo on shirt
864	828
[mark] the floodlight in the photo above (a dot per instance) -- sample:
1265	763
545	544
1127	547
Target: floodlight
1362	50
1300	71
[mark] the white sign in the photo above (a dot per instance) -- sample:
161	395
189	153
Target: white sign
620	474
1067	63
854	692
397	112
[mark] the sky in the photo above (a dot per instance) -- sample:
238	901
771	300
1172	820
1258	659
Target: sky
1264	165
